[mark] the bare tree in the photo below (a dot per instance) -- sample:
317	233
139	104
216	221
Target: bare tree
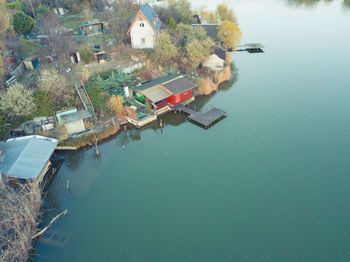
58	38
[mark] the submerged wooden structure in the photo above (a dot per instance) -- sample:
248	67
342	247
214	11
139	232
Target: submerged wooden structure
204	119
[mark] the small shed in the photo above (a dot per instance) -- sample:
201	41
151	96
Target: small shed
74	56
26	158
61	113
216	61
74	122
59	11
91	28
31	63
99	56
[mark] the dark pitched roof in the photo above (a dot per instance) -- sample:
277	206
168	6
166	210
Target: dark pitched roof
220	53
211	29
155	82
148	12
179	85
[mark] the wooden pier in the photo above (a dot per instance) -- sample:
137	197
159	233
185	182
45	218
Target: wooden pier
204	119
251	48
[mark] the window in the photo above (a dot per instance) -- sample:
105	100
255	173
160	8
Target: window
142	25
143	41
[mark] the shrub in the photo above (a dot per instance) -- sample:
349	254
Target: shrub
22	23
16	5
85	54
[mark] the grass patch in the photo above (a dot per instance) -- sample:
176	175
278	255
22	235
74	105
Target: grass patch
73	24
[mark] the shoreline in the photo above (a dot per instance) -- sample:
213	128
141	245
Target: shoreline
207	87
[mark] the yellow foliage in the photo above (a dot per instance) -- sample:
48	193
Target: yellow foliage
115	104
230	34
209	16
225	13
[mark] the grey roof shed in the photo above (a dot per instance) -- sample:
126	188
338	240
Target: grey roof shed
76	116
25	157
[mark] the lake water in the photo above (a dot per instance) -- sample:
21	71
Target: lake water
270	182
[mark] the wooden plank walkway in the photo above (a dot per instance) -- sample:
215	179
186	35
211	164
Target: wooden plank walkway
204	119
181	108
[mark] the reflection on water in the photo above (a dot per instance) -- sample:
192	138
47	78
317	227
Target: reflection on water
311	3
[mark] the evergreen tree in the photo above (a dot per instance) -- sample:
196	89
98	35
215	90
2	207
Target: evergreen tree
22	23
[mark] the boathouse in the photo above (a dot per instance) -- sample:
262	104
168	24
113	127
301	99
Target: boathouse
181	89
26	159
144	28
168	90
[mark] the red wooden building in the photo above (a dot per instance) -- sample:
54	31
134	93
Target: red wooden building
181	90
164	91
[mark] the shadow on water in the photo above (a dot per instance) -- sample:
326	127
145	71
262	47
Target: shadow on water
313	3
73	160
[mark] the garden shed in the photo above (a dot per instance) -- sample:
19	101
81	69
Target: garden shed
74	122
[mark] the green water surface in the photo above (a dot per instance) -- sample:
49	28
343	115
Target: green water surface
270	182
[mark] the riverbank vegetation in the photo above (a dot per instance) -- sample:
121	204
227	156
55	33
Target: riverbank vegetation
19	213
91	139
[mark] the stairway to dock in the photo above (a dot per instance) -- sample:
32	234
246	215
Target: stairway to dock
85	99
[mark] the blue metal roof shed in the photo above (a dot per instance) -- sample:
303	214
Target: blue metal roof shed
26	157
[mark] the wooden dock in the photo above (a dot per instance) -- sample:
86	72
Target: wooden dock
251	48
204	119
142	122
68	148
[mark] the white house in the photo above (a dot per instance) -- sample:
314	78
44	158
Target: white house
217	60
144	28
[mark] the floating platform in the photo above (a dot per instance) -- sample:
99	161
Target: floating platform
204	119
251	48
